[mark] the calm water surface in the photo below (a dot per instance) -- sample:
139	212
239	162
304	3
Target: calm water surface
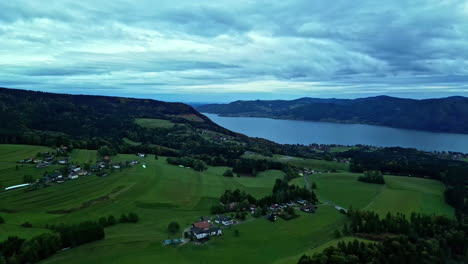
307	132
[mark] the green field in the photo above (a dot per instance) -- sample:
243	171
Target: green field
154	123
301	162
399	194
82	155
161	193
341	149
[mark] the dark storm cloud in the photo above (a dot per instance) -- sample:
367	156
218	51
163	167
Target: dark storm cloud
301	47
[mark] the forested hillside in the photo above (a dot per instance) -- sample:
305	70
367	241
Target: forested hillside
438	115
125	125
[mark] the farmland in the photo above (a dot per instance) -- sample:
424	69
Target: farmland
154	123
161	193
399	194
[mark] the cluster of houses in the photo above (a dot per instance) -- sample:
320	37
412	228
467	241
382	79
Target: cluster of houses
46	161
203	230
206	228
278	209
75	171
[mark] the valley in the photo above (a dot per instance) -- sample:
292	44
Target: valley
161	193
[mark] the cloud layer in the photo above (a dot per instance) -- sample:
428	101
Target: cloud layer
224	50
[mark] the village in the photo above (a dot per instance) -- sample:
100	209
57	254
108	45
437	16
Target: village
69	170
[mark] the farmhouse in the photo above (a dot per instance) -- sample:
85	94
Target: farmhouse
271	217
309	208
201	234
224	220
82	173
204	229
73	175
202	225
44	164
55	176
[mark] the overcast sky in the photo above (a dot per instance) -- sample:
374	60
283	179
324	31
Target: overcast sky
226	50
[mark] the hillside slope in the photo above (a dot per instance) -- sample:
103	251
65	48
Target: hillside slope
85	121
437	115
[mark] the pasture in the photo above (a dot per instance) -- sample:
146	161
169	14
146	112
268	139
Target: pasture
397	195
302	162
161	193
154	123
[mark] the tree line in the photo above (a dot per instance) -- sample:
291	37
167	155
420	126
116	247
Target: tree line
419	239
15	250
282	192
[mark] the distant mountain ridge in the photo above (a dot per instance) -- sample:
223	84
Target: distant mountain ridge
437	115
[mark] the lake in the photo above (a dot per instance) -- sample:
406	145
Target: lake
308	132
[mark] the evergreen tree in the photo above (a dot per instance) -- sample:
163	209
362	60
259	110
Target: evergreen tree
173	227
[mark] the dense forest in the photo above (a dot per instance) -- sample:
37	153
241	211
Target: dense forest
439	115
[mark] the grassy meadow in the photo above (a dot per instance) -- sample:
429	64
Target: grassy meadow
154	123
161	193
397	195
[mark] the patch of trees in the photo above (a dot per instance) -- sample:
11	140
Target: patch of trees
253	166
400	161
26	224
173	228
456	193
196	164
75	235
129	218
107	221
420	239
28	179
228	173
282	192
289	214
106	151
372	177
15	250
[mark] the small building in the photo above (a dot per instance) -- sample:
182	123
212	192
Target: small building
309	208
203	230
224	220
44	164
271	217
215	231
73	175
82	173
275	207
200	233
341	209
